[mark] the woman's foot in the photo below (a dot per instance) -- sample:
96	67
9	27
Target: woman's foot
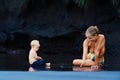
95	68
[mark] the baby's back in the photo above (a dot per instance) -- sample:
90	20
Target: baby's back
32	55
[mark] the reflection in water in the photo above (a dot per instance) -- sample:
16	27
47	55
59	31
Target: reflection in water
41	68
76	68
31	69
64	68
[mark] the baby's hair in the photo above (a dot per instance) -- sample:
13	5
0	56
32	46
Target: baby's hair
93	30
34	42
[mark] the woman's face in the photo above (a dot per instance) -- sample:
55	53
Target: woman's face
90	37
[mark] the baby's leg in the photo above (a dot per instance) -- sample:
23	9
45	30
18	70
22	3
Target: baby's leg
47	65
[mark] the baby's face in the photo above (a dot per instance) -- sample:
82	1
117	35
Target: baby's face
36	47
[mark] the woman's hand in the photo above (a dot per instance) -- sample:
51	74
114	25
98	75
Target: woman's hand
83	62
94	67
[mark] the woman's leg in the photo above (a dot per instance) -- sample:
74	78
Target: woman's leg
89	62
78	62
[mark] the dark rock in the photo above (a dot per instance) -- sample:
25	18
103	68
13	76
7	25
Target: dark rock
17	59
3	38
118	11
15	7
2	8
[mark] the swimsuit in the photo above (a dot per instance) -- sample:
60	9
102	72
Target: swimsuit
92	57
39	64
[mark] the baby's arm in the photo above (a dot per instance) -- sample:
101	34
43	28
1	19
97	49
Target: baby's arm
36	56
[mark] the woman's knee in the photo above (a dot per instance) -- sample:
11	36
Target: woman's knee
76	61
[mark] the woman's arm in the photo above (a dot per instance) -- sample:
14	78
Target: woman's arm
100	45
85	50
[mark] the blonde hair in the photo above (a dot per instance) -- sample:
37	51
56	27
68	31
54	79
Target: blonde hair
34	43
93	30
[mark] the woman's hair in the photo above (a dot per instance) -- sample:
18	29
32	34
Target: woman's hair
34	43
92	30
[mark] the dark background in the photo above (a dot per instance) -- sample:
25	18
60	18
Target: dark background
60	26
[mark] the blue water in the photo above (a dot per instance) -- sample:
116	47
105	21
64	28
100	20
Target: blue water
62	72
59	75
74	68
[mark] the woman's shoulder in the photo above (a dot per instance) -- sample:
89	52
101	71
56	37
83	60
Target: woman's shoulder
86	41
101	36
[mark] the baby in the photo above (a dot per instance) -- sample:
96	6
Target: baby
36	61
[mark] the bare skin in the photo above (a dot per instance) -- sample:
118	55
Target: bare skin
93	44
33	55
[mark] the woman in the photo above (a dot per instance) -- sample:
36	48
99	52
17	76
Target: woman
93	48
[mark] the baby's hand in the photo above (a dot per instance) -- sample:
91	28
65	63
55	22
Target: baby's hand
39	57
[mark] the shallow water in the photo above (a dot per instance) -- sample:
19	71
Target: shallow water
62	72
59	75
74	68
